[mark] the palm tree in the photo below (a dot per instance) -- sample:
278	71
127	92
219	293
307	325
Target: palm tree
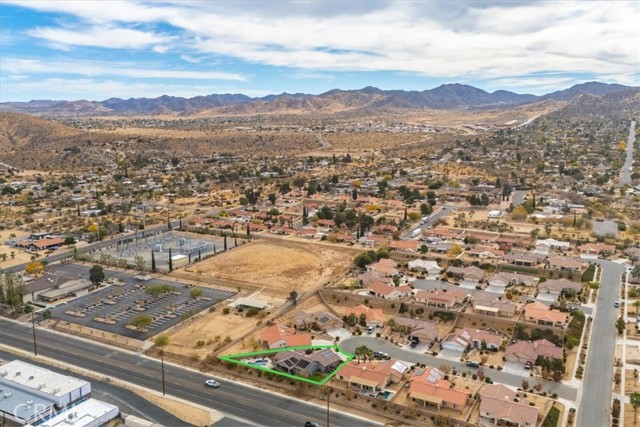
363	352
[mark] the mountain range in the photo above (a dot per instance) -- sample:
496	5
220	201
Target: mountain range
369	100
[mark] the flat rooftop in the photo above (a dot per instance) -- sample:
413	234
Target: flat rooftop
86	413
22	404
39	379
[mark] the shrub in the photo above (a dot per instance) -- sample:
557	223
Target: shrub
226	310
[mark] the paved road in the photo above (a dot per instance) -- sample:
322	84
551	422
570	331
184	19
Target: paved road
517	197
253	406
445	210
514	380
595	407
626	172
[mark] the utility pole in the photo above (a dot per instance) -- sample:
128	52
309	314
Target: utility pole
328	396
162	366
33	328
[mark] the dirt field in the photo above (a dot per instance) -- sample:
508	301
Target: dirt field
205	334
282	266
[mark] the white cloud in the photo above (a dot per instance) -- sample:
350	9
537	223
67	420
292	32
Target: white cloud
60	88
473	40
107	37
98	68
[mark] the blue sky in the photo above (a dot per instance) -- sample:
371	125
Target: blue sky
100	49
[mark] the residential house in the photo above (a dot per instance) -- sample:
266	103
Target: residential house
441	299
372	377
539	313
487	305
544	246
373	316
565	264
463	338
529	351
633	253
485	252
382	290
277	336
423	330
500	281
552	288
412	246
597	249
302	363
431	268
523	259
498	404
429	387
323	320
385	267
470	276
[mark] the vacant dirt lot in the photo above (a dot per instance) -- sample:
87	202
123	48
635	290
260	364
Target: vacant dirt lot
208	333
281	266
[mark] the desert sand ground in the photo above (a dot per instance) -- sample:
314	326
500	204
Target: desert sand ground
283	266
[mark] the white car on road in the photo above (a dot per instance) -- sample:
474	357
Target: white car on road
212	383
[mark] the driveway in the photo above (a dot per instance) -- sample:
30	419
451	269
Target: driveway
516	368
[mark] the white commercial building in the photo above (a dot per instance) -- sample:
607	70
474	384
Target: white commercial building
60	389
89	413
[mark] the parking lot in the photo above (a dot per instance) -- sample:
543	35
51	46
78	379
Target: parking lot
118	305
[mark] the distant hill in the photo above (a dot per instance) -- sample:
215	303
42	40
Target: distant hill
590	88
621	104
369	100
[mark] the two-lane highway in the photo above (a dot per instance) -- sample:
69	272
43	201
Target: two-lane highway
252	404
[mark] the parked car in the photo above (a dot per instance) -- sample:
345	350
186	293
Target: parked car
380	355
414	342
528	365
311	424
473	364
212	383
369	330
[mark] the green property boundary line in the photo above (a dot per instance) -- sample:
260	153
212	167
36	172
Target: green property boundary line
233	358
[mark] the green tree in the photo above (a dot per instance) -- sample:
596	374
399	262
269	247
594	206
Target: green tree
141	321
634	398
620	325
139	262
96	274
362	260
161	340
363	352
195	293
293	297
69	241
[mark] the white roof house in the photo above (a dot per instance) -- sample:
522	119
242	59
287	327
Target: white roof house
431	267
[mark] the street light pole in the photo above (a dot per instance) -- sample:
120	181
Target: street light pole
162	366
33	327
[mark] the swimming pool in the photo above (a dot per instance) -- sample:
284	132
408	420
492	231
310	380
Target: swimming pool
261	362
386	395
